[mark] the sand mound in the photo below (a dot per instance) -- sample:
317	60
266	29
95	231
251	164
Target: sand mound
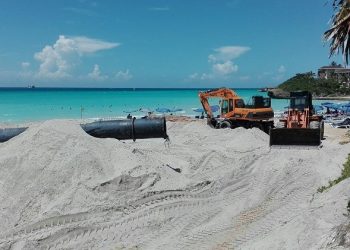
61	188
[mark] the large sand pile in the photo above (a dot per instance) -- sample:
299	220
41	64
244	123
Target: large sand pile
208	189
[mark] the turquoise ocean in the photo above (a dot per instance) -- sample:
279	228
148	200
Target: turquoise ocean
25	105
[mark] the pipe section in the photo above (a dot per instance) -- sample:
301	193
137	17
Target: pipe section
128	129
8	133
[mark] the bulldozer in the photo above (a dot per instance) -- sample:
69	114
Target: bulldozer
301	126
235	113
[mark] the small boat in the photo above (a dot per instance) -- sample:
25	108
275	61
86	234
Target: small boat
263	90
31	86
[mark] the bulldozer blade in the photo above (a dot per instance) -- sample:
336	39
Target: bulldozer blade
295	137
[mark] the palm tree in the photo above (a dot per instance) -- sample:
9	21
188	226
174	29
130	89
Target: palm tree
339	34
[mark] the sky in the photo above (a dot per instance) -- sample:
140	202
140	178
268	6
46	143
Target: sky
161	44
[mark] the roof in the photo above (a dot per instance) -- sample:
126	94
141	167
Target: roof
332	67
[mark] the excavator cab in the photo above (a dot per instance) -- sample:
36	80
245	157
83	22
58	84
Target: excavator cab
228	105
225	106
259	102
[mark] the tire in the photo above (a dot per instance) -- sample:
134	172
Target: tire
267	128
280	125
322	130
225	124
315	125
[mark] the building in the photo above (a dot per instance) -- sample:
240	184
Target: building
336	72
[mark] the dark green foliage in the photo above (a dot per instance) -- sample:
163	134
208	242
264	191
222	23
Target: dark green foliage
345	173
318	87
338	35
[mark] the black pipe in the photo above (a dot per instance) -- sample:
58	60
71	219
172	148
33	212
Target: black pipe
8	133
128	129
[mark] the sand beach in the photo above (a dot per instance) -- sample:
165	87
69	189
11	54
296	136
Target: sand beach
205	189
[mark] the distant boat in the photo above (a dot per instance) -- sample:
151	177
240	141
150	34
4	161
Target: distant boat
31	86
263	89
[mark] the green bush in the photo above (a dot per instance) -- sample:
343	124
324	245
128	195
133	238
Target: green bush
318	87
345	173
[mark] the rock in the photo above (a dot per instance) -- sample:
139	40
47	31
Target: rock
278	93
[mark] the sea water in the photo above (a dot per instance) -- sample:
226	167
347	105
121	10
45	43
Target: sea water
25	105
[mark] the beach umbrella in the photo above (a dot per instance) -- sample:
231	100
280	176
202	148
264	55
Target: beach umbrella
326	103
131	111
318	108
213	108
199	110
332	105
163	110
145	110
346	105
176	110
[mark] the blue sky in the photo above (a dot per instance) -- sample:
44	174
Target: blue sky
168	43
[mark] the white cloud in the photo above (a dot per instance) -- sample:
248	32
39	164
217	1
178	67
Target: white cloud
222	65
194	76
277	78
227	53
25	72
57	60
281	69
159	8
206	76
244	78
25	65
280	75
85	45
96	74
225	68
124	75
81	11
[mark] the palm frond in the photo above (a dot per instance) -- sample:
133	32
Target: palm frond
339	34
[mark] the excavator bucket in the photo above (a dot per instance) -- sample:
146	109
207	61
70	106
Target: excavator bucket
295	137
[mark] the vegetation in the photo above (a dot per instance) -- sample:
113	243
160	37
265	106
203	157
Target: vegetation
345	173
318	87
338	35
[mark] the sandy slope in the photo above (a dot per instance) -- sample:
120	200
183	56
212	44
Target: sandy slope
62	189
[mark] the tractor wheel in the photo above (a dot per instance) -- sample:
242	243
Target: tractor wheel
322	130
225	124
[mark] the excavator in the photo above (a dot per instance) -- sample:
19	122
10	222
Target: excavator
301	126
235	113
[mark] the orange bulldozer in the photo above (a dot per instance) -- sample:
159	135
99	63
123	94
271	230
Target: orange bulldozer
301	126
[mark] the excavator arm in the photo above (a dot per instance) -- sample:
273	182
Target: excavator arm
214	93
